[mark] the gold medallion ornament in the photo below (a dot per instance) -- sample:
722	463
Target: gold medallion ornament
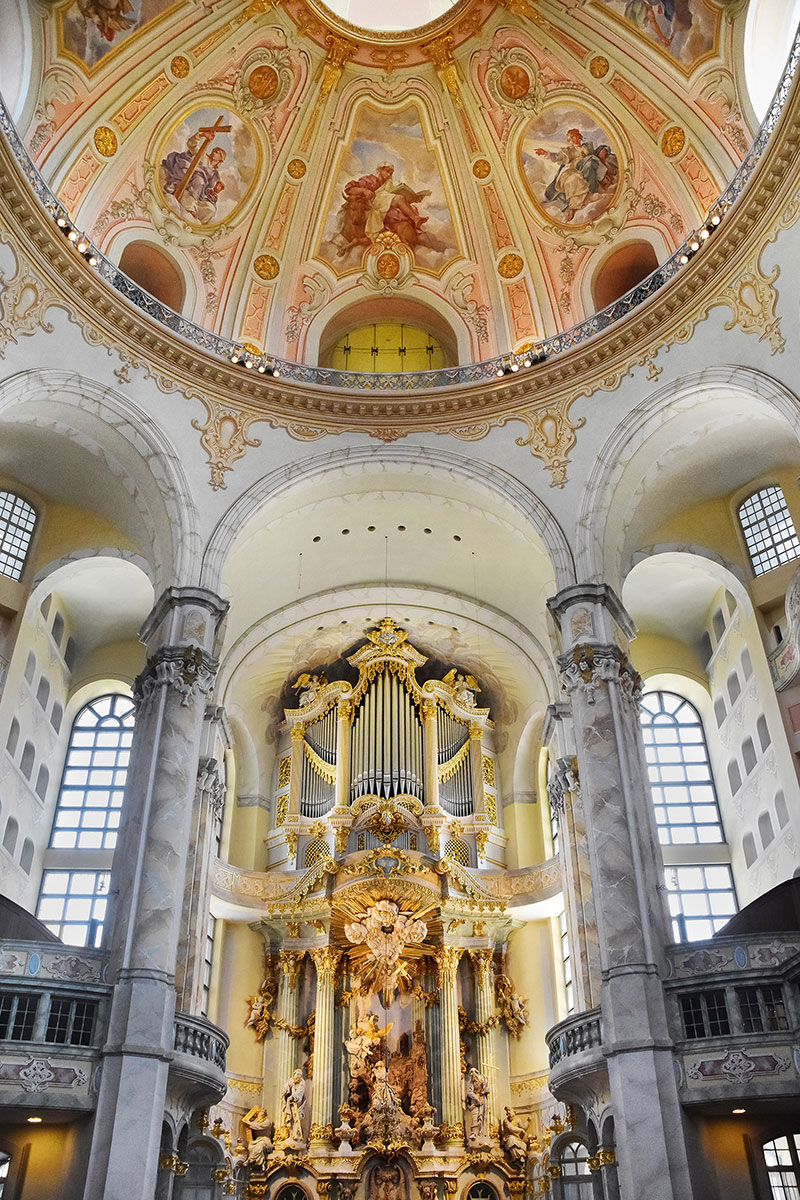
179	66
481	168
387	266
105	141
296	168
598	67
510	266
673	141
266	267
263	82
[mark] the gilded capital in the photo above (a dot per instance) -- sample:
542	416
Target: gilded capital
448	958
326	960
298	732
481	962
290	962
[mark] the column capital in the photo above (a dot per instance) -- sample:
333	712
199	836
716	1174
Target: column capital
587	667
290	963
177	616
591	612
481	962
448	958
326	959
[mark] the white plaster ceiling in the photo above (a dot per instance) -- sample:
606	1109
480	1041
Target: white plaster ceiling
670	595
106	599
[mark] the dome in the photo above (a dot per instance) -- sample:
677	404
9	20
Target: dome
388	17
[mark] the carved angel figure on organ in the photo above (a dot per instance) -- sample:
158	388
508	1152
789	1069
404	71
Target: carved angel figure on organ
464	687
311	685
261	1009
259	1135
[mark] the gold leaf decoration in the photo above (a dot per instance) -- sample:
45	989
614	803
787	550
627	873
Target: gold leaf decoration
296	168
179	66
598	67
105	141
266	267
672	141
510	266
481	168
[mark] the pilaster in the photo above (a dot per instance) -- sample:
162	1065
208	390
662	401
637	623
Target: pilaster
326	959
452	1113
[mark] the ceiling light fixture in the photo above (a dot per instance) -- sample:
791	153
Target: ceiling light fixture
34	1120
738	1111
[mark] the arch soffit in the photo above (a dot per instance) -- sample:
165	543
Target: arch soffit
144	438
592	556
484	475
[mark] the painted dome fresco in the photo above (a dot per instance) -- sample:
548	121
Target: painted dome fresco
290	174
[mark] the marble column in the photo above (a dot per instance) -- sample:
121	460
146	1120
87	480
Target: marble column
566	804
484	1014
628	888
147	891
290	964
452	1114
344	717
326	960
209	802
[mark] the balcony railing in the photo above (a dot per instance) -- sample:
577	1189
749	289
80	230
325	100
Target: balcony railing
580	1032
198	1038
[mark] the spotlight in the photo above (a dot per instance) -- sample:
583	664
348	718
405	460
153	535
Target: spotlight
705	234
275	372
34	1120
684	258
83	246
72	235
515	366
526	362
234	358
248	362
738	1111
61	222
694	244
715	220
500	372
261	368
92	261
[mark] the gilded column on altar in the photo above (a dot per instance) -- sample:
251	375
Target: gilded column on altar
452	1114
290	964
326	960
485	1017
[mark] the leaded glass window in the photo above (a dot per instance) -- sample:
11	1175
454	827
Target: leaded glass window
17	522
681	781
768	530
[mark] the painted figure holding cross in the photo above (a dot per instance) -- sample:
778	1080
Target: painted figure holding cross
192	176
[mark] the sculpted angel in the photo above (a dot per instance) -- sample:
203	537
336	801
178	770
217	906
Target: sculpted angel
386	932
310	685
464	687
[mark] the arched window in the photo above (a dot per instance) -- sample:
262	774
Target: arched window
765	831
11	834
768	530
680	772
763	732
782	1158
25	861
576	1178
95	770
749	849
17	521
13	737
781	810
43	692
481	1191
27	760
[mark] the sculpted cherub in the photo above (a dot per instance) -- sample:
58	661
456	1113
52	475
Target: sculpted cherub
464	687
311	685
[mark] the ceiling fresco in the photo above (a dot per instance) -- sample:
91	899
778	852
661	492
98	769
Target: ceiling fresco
481	170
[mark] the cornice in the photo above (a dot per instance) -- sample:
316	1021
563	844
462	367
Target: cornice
468	410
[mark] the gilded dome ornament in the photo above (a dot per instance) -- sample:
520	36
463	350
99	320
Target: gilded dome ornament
266	267
179	66
598	67
481	168
296	168
263	82
510	266
673	141
105	141
387	266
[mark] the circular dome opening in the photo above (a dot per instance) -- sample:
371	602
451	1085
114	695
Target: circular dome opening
389	18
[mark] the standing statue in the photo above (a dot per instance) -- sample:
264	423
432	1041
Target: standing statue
513	1138
259	1130
261	1006
383	1094
476	1095
512	1007
293	1107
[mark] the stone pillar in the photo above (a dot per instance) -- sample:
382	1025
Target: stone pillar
476	768
431	754
452	1115
566	805
344	714
627	880
484	1015
147	890
290	962
325	960
209	802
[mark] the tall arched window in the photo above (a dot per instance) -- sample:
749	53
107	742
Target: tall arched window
768	529
680	772
17	522
95	770
72	901
701	895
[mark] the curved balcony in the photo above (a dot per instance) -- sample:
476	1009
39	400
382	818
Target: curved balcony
576	1055
197	1071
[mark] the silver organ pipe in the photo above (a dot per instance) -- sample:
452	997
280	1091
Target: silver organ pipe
455	792
318	793
386	742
